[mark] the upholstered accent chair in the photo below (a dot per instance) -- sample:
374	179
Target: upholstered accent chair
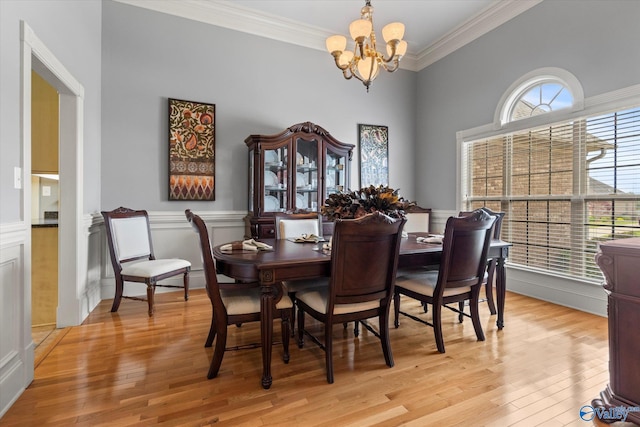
132	257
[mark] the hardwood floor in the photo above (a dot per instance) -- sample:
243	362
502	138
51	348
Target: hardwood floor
125	368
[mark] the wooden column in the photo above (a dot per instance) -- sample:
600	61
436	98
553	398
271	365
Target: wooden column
619	260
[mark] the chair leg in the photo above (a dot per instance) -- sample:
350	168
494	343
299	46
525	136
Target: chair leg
286	319
300	327
489	296
396	309
218	353
461	311
437	326
151	289
384	337
356	329
475	313
489	286
118	297
292	295
186	286
212	333
328	350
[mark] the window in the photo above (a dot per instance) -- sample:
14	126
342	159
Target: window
539	99
564	186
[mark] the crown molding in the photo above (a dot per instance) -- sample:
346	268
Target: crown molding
494	15
226	14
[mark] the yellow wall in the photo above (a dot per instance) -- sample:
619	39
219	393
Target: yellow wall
44	126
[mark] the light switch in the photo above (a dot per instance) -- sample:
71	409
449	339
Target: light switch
17	178
46	190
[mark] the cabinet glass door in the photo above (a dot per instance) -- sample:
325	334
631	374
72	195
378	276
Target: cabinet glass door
335	173
275	180
306	179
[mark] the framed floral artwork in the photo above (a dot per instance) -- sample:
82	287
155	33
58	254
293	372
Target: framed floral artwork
191	150
374	155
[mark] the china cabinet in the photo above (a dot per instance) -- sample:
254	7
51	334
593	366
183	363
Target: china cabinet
618	260
292	171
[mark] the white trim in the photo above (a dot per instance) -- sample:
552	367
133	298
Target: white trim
226	14
71	274
12	234
496	14
541	75
17	347
570	292
614	100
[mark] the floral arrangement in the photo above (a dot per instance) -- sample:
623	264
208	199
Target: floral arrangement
355	204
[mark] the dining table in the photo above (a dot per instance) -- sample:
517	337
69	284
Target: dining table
289	260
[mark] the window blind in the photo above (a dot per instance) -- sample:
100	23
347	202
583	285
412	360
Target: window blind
563	187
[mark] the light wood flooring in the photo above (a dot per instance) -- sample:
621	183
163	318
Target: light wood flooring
124	368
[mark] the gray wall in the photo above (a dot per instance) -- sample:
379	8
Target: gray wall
258	86
71	30
597	41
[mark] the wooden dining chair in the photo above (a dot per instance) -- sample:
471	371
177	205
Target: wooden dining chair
418	219
289	224
364	260
459	277
233	306
491	262
132	257
292	225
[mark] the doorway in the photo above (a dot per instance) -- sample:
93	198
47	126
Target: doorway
45	201
71	262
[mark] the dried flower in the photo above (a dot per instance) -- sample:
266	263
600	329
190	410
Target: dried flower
354	204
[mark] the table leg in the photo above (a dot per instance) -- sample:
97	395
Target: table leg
266	330
501	289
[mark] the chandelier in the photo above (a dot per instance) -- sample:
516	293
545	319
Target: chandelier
364	62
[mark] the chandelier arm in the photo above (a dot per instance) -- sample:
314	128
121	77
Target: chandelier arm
392	57
352	68
390	67
336	57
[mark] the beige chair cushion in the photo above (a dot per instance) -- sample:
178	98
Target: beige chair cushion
424	283
317	299
245	301
152	268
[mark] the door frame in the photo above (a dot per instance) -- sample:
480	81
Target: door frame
36	56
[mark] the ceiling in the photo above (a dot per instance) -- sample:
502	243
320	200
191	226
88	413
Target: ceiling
434	28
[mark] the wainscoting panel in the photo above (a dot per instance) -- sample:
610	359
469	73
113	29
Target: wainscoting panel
16	345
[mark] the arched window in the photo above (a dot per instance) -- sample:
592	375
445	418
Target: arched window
565	176
541	98
539	92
